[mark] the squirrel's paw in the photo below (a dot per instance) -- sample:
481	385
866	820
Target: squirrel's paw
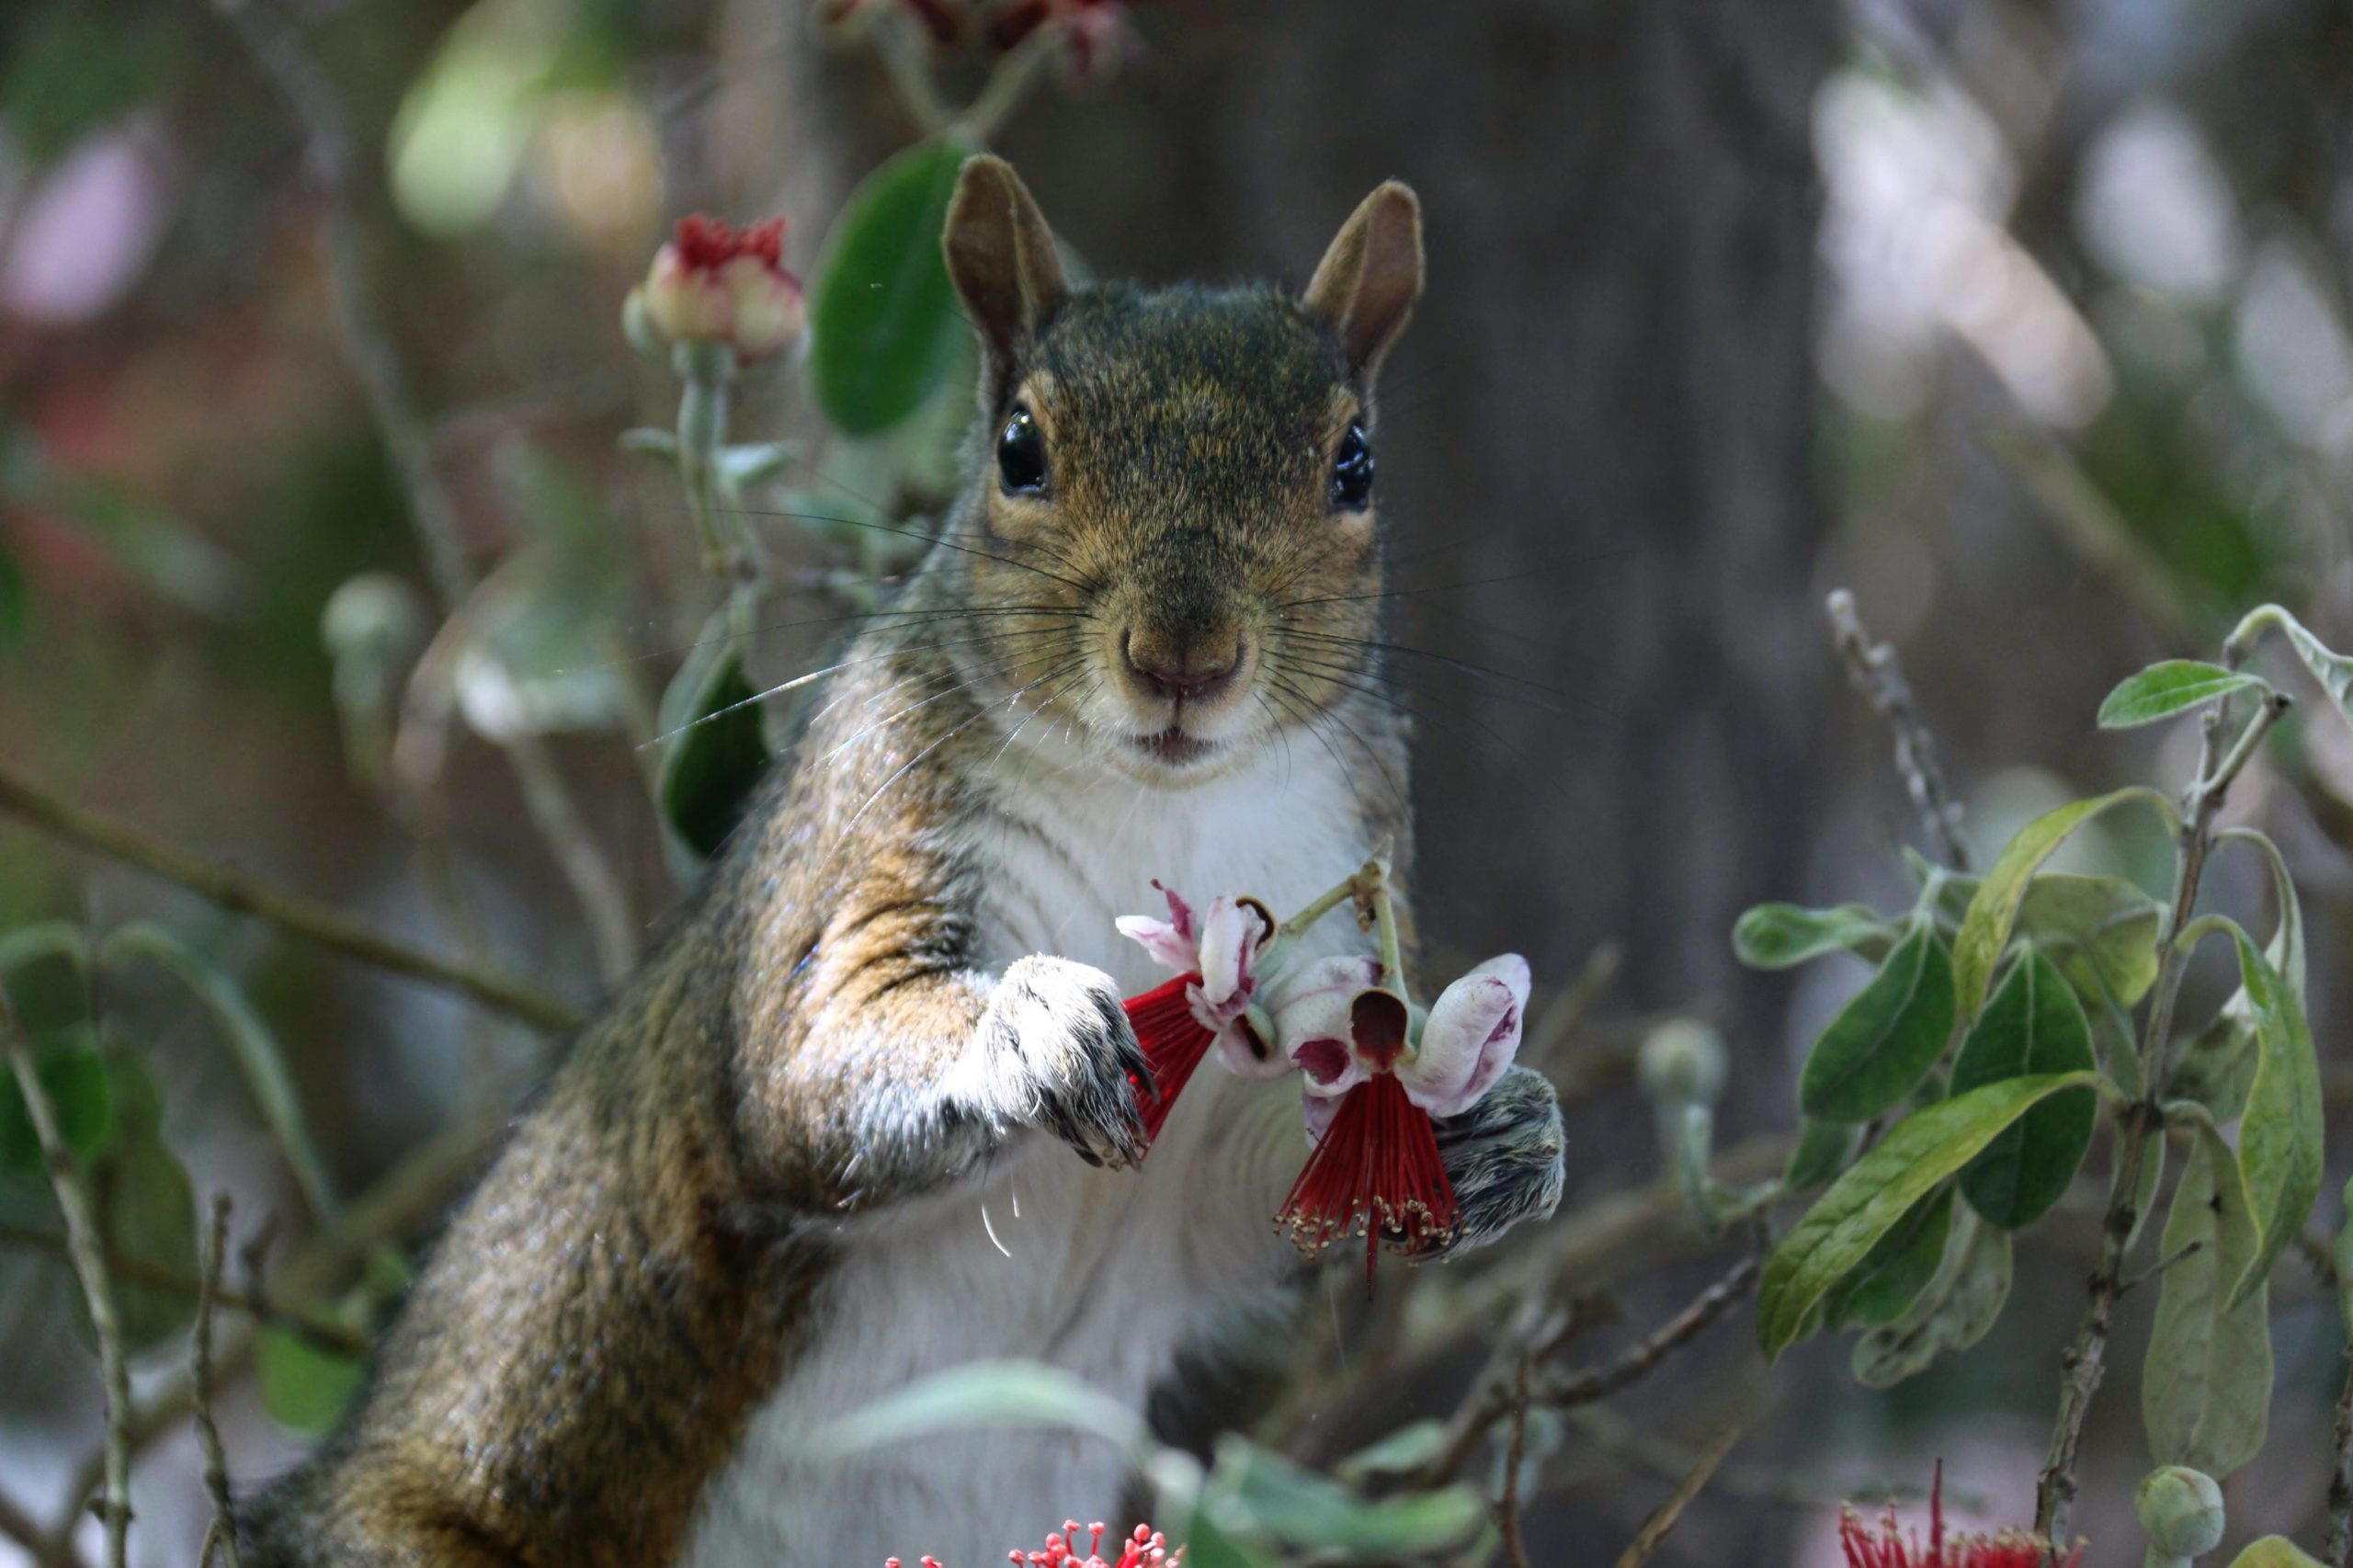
1504	1157
1059	1052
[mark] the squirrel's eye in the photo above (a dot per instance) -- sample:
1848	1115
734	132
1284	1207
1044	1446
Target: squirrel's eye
1352	471
1021	453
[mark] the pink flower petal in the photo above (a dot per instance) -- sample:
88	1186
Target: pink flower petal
1167	945
1471	1036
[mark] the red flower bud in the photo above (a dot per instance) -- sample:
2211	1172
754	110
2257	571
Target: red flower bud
714	285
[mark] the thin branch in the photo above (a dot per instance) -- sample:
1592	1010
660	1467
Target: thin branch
1600	1383
223	1530
433	511
306	918
325	1334
2085	1359
20	1527
2187	1249
1875	673
88	1256
2340	1483
1653	1533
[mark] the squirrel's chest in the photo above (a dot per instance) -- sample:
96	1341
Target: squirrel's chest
1104	1274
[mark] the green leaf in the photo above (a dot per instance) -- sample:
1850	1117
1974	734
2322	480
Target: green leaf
147	1211
1985	927
882	315
2332	669
718	751
304	1387
1781	935
16	601
2216	1069
2206	1387
74	1080
984	1394
1824	1149
2342	1257
2033	1026
2279	1139
2274	1552
1957	1309
2102	932
1252	1492
1885	1041
2165	689
259	1058
1922	1151
1892	1276
1406	1449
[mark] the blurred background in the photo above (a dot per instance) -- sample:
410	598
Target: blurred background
2030	321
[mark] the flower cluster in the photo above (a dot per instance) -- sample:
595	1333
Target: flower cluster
1145	1548
1374	1069
717	285
1892	1547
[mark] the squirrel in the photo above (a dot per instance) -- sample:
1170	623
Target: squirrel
820	1145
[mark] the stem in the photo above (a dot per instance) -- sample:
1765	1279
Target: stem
322	1332
2085	1359
408	437
1007	87
315	922
216	1463
89	1255
1872	669
1515	1455
2339	1552
906	63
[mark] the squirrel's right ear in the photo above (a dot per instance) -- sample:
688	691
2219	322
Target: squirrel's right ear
1001	255
1366	285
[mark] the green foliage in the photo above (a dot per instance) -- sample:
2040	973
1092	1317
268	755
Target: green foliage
1882	1287
1781	935
1918	1153
883	320
2165	689
1953	1312
2032	1026
2279	1139
1993	911
718	751
2275	1551
16	601
1822	1150
73	68
2101	931
1256	1495
1884	1042
74	1079
304	1387
2332	669
2206	1386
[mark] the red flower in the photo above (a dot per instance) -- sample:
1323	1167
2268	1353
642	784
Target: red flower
1218	956
713	284
1890	1547
1147	1548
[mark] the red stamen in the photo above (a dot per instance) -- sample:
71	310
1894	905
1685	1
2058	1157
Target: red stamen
1174	1043
1378	1174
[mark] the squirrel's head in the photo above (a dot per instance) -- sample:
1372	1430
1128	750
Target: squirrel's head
1171	531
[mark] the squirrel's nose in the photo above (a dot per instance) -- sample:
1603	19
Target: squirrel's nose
1191	671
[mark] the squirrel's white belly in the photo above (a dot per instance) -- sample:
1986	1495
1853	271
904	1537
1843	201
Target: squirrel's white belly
1104	1274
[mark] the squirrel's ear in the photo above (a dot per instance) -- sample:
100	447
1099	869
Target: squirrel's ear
1366	283
1001	255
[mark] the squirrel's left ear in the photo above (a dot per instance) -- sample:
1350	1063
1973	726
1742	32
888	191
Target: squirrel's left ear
1001	255
1366	283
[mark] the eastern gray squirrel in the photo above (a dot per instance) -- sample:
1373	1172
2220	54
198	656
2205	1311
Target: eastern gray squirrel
822	1143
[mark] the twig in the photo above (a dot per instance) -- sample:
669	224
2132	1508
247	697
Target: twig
2340	1483
1875	673
2188	1248
1600	1383
1653	1533
323	1333
307	918
2085	1359
89	1255
223	1530
1515	1455
20	1527
408	437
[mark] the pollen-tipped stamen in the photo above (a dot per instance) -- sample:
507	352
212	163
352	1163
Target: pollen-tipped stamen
1174	1042
1376	1174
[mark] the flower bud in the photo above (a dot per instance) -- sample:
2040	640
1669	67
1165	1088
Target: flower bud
2180	1511
1682	1063
714	285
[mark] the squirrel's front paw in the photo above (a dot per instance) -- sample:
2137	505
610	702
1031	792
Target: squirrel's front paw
1504	1157
1059	1053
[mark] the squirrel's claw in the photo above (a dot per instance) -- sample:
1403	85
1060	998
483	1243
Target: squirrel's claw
1062	1057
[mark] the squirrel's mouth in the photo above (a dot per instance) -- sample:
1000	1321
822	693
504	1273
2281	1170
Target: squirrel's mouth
1175	748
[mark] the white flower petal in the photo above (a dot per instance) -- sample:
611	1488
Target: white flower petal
1347	974
1317	1112
1472	1035
1226	930
1167	945
1315	1035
